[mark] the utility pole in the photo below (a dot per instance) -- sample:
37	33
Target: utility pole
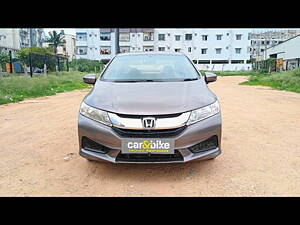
10	62
117	44
30	37
30	64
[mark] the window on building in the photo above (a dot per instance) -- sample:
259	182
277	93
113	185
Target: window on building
132	35
218	50
203	61
148	36
90	35
169	34
81	50
177	37
104	36
188	37
268	42
124	49
148	48
238	50
237	61
177	49
189	49
195	61
161	37
219	37
238	37
124	37
219	61
133	48
204	51
263	42
105	50
161	49
204	37
81	36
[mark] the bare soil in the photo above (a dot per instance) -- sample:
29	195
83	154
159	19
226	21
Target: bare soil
260	144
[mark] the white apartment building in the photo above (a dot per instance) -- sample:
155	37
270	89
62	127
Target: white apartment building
12	39
9	40
66	50
262	40
209	49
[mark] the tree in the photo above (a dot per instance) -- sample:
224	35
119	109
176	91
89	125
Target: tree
4	57
56	40
39	56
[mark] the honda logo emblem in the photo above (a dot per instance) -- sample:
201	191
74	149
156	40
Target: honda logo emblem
148	122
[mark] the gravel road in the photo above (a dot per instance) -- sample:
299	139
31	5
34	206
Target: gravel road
260	143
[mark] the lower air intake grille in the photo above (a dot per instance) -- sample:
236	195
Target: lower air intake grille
150	157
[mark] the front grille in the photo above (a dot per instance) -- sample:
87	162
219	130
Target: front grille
176	157
93	146
165	133
206	145
156	116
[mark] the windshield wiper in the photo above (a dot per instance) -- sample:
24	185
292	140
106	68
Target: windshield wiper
134	81
189	79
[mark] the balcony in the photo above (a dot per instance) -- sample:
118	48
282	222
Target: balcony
148	36
105	50
105	36
124	37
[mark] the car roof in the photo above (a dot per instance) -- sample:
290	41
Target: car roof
150	53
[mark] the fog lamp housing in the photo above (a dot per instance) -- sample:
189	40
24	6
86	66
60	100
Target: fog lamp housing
208	144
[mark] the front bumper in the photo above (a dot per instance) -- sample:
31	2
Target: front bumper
190	136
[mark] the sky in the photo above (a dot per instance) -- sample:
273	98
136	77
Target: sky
67	30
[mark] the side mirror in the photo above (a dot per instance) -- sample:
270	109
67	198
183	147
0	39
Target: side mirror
89	78
210	77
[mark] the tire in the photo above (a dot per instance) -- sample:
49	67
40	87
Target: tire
212	158
90	160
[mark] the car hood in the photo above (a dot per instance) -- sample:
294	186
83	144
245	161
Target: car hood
150	98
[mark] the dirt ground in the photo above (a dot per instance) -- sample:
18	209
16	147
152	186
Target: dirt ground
260	144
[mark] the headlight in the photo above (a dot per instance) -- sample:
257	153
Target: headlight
95	114
203	113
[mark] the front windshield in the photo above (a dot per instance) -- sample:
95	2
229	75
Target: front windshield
150	68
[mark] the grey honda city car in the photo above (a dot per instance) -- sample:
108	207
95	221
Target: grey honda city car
149	108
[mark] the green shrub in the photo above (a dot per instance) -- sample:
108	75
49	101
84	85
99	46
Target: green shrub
287	80
17	88
86	65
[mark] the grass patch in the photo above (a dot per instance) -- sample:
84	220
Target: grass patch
14	88
287	80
